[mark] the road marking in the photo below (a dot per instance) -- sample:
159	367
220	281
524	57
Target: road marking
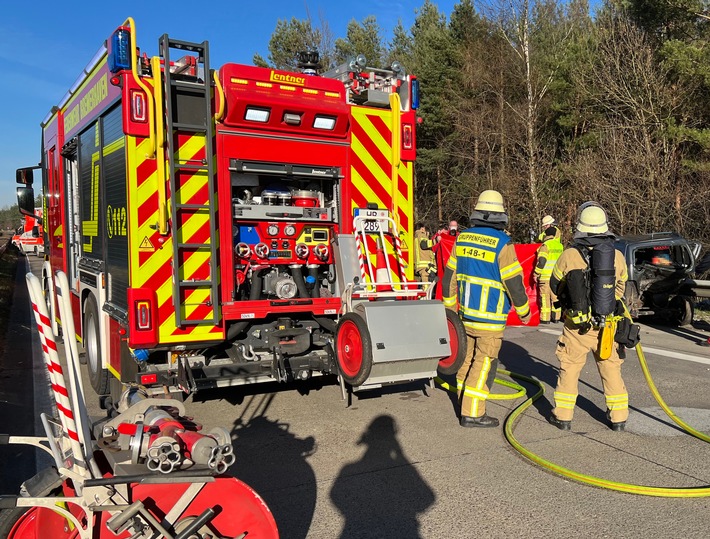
656	351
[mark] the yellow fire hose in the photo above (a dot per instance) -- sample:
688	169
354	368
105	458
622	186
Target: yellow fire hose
668	492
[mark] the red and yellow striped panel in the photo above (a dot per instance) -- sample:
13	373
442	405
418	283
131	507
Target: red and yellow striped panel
371	175
151	255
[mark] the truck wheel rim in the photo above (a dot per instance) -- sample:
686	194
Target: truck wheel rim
350	348
454	343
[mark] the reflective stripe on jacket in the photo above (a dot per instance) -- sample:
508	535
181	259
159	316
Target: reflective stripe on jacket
423	258
483	302
547	257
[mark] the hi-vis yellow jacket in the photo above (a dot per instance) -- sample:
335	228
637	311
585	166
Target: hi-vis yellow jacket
547	256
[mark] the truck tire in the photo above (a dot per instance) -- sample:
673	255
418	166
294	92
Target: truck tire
98	376
458	341
353	349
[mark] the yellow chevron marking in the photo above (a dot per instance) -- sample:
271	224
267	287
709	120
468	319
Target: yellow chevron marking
364	119
195	261
362	186
194	223
380	175
189	187
146	191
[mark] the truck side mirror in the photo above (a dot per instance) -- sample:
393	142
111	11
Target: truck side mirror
26	200
25	175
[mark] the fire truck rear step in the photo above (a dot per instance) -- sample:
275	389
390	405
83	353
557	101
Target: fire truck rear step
189	113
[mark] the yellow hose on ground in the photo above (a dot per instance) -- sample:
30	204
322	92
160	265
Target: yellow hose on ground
668	492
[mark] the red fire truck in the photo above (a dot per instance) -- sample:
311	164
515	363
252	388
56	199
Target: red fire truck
240	225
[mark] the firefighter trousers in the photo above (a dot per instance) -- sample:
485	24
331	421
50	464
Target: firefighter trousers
423	274
547	299
478	371
572	350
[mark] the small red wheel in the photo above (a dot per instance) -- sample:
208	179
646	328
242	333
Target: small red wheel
458	341
33	523
353	349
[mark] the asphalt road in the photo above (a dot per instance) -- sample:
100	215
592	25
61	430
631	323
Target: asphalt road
394	463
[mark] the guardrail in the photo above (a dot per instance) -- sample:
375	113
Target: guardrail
701	288
4	246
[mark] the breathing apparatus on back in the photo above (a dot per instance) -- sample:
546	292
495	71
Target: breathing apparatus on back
590	292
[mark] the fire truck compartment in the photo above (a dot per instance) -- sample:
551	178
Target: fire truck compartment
408	339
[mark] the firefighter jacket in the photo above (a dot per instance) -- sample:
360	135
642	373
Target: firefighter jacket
423	257
571	259
484	275
547	256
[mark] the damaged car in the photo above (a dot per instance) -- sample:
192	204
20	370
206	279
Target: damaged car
660	267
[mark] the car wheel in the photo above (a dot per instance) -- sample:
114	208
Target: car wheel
682	308
98	376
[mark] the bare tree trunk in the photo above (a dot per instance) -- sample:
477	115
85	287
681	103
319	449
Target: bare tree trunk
531	143
438	192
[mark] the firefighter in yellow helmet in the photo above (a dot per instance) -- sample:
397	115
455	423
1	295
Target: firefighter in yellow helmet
483	276
589	278
424	265
547	255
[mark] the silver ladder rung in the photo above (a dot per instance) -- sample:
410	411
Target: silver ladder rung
194	284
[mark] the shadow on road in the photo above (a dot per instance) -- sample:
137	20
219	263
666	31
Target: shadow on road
382	494
518	360
17	413
238	395
273	461
686	332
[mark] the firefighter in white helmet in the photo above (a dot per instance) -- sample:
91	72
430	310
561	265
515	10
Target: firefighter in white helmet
547	255
589	279
547	222
484	277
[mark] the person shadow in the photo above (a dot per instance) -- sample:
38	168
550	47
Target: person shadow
382	494
272	460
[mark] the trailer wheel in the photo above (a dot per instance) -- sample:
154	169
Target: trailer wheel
353	346
98	376
458	341
32	523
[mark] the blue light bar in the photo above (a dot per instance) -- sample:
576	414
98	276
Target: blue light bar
415	94
119	55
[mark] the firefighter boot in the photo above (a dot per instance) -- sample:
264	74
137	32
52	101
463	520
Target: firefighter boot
562	425
483	421
616	427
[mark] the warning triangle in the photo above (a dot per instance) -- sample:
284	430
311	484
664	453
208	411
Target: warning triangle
146	245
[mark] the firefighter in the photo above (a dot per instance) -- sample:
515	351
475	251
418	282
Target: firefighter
547	255
547	222
423	255
581	292
483	274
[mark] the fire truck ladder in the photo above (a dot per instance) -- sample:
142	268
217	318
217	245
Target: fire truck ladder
188	104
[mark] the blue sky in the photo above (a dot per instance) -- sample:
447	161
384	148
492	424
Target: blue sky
45	45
